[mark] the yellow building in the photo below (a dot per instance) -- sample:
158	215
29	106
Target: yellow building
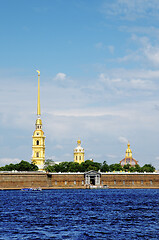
79	153
128	158
38	147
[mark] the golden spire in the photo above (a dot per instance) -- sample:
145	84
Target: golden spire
38	105
128	151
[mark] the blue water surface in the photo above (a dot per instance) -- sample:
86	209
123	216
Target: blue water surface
80	214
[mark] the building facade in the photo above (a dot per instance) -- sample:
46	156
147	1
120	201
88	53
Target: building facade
38	146
79	153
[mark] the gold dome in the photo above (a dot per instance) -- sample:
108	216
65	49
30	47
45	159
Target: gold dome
38	121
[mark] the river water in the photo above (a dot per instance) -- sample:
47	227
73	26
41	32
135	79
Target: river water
80	214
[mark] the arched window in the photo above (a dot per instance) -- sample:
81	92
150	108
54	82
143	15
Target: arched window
80	158
37	154
76	157
37	142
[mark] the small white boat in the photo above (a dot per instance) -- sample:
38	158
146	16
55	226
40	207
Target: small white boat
31	189
98	186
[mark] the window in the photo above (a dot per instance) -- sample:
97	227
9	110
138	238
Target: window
76	157
65	182
82	182
141	181
37	154
37	133
80	158
124	182
74	182
55	182
114	182
133	182
37	142
151	182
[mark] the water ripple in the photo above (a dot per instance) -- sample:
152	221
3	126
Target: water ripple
80	214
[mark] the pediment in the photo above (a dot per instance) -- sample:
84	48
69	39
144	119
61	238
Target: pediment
92	173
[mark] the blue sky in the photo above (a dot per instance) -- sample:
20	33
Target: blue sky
99	63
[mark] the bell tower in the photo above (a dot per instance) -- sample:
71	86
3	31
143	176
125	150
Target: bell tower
38	147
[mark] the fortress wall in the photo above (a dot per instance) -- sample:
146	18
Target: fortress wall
67	180
131	180
18	180
9	180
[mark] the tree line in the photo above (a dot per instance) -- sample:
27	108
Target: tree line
22	166
86	166
89	165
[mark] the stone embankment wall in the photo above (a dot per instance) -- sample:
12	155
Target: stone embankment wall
131	180
18	180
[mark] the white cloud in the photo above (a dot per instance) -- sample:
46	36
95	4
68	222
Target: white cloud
94	156
142	84
58	147
6	161
146	52
141	31
152	54
68	155
121	84
135	73
87	113
111	49
111	156
60	76
99	45
131	10
102	46
123	139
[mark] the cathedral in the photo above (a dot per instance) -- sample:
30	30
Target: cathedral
128	158
38	146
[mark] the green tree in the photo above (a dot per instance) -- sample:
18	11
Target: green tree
148	168
132	169
115	167
74	167
127	167
89	165
137	168
22	166
48	162
51	169
105	167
